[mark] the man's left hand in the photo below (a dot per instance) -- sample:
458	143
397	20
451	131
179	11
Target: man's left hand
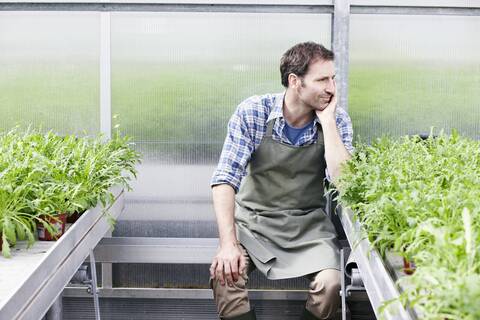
328	113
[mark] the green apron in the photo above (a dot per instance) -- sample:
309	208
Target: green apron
279	212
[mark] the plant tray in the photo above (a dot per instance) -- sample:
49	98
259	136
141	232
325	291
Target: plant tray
33	278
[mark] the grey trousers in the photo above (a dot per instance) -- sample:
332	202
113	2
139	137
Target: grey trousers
323	294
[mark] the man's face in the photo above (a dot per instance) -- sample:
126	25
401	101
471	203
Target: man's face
318	86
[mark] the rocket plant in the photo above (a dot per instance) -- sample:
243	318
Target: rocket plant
421	199
44	174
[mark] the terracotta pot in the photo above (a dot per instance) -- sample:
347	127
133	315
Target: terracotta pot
58	223
408	266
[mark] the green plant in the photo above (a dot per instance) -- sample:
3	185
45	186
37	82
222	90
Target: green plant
42	175
421	200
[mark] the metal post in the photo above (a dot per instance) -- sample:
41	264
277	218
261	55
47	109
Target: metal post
340	33
105	76
105	106
107	282
343	290
93	270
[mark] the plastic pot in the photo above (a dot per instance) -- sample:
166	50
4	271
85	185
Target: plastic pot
408	266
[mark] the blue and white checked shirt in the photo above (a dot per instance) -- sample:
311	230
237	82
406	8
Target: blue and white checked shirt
248	125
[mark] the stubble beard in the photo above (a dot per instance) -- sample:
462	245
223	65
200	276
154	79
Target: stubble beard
324	101
322	104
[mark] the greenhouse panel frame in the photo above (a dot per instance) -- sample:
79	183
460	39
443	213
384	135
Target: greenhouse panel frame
341	11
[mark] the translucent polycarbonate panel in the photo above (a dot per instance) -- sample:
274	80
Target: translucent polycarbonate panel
49	71
411	73
177	77
176	80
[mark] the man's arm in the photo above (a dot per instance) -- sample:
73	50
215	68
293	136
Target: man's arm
335	151
229	260
236	152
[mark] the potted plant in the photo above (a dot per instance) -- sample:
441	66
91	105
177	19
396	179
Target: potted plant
420	198
15	222
45	177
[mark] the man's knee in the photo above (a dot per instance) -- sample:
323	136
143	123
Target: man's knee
324	298
232	300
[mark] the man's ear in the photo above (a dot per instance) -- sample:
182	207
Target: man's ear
293	80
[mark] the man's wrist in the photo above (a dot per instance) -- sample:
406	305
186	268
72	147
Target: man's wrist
326	121
229	242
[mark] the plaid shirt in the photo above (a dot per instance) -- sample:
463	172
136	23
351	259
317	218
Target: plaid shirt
248	125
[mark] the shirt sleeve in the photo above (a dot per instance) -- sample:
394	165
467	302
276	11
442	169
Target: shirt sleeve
344	126
237	150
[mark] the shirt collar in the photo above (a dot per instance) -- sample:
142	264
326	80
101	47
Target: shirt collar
277	110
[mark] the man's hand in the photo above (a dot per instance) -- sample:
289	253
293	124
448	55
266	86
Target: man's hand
335	152
228	264
328	113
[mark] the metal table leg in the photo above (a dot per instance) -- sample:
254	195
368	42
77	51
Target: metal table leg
343	290
93	285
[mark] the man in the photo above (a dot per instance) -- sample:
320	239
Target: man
269	185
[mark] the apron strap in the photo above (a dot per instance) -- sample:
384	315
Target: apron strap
269	131
319	133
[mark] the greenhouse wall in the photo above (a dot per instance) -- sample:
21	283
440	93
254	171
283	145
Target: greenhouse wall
49	71
178	69
176	80
170	73
411	73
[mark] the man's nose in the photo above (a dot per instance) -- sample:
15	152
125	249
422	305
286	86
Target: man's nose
330	88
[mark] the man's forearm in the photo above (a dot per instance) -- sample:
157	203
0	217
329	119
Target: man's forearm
224	205
335	151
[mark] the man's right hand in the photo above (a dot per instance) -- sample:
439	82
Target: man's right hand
228	264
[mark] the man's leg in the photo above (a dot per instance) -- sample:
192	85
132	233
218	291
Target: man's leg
232	302
323	295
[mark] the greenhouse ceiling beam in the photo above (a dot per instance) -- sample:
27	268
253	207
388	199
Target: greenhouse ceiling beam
415	7
407	7
414	10
166	7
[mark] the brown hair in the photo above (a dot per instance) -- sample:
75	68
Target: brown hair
298	58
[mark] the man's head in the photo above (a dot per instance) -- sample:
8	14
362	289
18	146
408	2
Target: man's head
298	58
308	73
